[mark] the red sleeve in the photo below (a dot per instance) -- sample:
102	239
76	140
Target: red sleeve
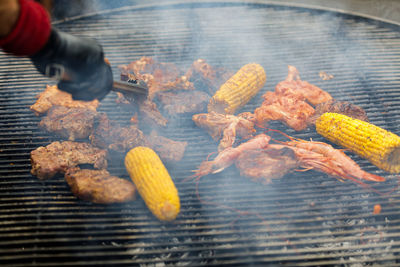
31	31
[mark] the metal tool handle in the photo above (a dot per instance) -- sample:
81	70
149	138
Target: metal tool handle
138	88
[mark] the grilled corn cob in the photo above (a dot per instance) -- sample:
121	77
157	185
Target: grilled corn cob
380	147
238	90
153	182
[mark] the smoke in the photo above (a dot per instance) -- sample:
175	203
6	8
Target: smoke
231	36
69	8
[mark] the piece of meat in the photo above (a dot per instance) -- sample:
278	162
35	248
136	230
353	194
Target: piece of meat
124	100
205	77
109	134
159	76
69	123
162	71
312	93
57	157
224	127
168	149
143	65
262	165
180	83
342	107
99	186
174	92
181	102
151	115
53	96
287	106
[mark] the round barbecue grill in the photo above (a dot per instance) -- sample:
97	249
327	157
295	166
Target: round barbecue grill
304	219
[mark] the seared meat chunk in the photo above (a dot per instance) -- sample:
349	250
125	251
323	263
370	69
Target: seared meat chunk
168	150
53	96
181	102
150	114
148	111
262	165
99	186
341	107
205	77
58	157
70	123
109	134
159	76
173	89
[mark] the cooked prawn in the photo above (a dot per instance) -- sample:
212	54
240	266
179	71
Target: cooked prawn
329	160
228	156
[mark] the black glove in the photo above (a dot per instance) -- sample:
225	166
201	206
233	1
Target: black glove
78	62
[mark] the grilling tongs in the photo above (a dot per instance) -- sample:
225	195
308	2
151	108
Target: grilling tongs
136	87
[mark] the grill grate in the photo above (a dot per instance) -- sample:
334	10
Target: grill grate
309	219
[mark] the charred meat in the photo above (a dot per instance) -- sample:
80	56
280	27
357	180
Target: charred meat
262	165
58	157
53	96
173	90
109	134
148	111
159	76
341	107
168	150
181	102
207	78
69	123
150	114
99	186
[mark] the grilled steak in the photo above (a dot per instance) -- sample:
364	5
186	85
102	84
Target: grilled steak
264	165
181	102
99	186
70	123
342	107
174	92
168	150
205	77
57	157
53	96
159	76
150	114
109	134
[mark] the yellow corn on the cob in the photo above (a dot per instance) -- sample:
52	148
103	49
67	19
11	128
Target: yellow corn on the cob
380	147
238	90
153	182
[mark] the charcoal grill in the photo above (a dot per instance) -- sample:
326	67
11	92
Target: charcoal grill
303	219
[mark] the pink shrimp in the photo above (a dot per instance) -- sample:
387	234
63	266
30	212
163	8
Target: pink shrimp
325	158
228	156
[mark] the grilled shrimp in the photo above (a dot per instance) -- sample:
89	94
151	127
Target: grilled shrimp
325	158
228	156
